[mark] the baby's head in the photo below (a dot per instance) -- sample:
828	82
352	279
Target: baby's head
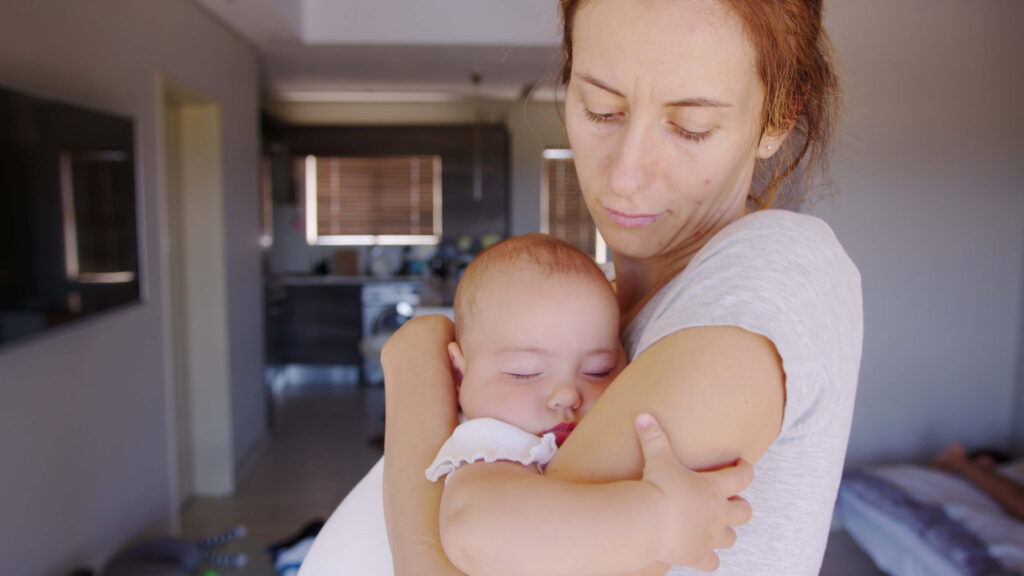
537	335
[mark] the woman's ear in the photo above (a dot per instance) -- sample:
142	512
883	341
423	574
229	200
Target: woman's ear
771	141
458	362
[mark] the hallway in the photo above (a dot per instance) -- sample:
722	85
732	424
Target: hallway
325	437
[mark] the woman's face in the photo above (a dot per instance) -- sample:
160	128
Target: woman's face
663	110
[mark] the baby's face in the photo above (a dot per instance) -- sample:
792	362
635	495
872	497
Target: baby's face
538	350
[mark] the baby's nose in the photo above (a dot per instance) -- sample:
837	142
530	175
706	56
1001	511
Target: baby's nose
564	397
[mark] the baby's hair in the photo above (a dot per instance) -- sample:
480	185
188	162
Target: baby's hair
536	252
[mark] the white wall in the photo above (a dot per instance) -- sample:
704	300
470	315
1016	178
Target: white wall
83	415
930	172
417	22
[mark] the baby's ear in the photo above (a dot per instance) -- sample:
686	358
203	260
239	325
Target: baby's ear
458	361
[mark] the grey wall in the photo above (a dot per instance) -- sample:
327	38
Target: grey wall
84	415
929	170
1018	427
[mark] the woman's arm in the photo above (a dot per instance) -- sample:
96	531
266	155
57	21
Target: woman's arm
421	413
717	391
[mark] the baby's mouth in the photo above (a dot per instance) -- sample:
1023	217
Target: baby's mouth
562	431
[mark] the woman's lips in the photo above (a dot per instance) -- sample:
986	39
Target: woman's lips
562	431
631	220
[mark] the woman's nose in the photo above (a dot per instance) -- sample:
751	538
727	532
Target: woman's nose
564	397
633	161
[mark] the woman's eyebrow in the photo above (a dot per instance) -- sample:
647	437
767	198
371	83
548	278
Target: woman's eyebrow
684	103
599	84
697	103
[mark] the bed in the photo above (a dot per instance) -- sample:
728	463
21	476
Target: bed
918	521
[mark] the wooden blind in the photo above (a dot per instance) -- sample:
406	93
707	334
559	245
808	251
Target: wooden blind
392	196
98	237
567	215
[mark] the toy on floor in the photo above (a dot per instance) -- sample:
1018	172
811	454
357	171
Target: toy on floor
289	553
176	556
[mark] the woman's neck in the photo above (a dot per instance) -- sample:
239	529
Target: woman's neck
637	280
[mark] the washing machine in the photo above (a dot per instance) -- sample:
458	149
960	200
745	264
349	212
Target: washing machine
386	306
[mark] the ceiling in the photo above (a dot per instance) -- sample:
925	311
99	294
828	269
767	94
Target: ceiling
397	50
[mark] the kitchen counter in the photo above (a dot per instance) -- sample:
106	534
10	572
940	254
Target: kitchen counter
328	279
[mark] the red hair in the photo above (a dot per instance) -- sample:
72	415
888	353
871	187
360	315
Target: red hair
505	260
797	73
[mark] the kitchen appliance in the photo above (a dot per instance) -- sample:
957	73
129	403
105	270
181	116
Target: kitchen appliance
386	306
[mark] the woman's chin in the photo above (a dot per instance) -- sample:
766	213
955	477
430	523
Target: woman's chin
633	244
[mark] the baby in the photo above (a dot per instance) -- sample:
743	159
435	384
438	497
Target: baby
537	341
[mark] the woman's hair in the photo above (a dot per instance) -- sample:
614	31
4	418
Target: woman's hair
801	85
502	261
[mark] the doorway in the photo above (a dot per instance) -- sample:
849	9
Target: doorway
195	311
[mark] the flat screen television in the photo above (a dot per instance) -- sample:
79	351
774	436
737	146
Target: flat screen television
68	233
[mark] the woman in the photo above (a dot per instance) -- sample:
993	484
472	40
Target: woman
743	328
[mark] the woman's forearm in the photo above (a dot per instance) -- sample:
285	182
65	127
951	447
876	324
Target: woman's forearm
421	414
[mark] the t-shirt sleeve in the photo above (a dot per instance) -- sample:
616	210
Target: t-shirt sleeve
778	274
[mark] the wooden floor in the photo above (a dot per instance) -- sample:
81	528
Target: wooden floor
324	438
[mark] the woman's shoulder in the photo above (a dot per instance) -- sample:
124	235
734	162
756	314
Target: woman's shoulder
771	272
780	223
777	241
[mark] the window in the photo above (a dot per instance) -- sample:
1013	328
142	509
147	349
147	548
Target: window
364	201
564	213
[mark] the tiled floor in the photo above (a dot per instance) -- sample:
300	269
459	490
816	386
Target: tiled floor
325	437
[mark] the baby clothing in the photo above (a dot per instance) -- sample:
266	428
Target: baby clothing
490	440
355	541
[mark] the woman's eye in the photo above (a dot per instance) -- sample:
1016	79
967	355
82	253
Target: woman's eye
601	118
691	135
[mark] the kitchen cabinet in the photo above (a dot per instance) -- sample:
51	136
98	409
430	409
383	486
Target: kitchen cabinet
314	322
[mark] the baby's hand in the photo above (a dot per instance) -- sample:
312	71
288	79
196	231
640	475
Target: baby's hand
700	507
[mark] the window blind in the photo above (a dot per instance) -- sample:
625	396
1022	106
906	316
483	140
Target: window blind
565	212
394	199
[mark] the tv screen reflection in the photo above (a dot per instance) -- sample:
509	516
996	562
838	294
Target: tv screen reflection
68	234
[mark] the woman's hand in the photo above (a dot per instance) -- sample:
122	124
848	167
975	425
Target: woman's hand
700	507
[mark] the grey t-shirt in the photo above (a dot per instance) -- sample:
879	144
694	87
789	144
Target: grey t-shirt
784	276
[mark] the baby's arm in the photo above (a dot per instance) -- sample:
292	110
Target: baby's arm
546	526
